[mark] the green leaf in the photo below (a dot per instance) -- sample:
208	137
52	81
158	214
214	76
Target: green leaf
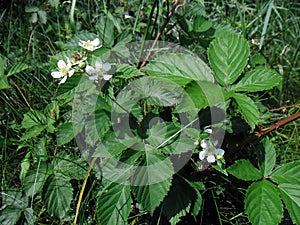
244	170
114	205
106	31
36	178
288	173
152	180
14	198
10	216
291	196
248	109
228	55
32	132
17	68
33	118
157	91
179	200
66	132
263	204
3	78
197	202
69	167
202	94
67	88
58	196
268	161
201	24
179	68
258	80
126	71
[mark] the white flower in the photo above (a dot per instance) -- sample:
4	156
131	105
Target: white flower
90	45
210	152
65	70
99	70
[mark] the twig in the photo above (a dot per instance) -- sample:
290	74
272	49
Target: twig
261	133
176	3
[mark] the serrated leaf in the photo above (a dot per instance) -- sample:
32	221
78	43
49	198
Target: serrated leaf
179	68
263	204
33	118
288	173
69	167
152	180
14	198
201	24
244	170
67	87
32	132
17	68
10	216
66	132
58	196
268	156
258	80
36	178
248	109
114	205
202	94
291	196
179	200
160	132
126	71
157	91
228	55
106	31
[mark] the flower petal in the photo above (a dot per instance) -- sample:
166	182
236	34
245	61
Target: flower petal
61	64
89	70
99	64
96	42
211	158
220	151
202	154
71	72
57	74
107	76
208	130
94	77
106	66
63	80
204	144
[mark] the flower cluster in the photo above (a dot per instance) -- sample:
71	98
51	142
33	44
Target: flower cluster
100	70
210	152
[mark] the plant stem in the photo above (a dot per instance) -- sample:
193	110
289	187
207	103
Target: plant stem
176	3
72	12
82	189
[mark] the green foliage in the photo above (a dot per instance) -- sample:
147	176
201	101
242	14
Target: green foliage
141	129
244	170
263	204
